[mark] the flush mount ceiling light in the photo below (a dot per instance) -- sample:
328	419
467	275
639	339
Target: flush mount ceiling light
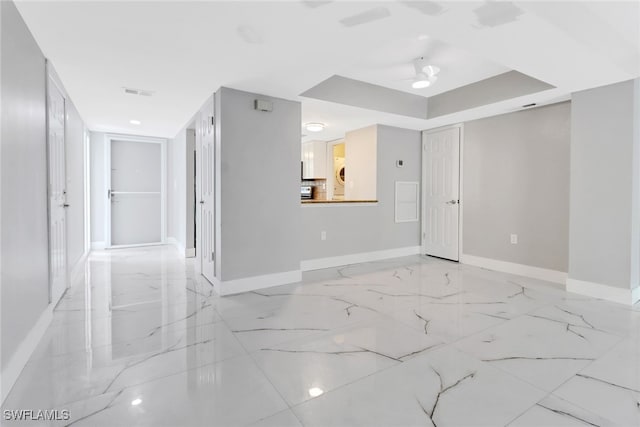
425	74
135	122
314	127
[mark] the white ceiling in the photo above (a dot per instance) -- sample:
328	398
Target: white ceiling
186	50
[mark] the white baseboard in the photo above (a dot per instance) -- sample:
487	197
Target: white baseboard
173	241
338	261
78	269
190	253
246	284
517	269
98	246
605	292
22	354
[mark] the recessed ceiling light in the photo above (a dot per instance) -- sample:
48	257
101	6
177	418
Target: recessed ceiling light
315	391
423	37
314	127
135	122
136	402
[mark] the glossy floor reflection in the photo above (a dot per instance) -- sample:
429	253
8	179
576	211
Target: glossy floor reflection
413	341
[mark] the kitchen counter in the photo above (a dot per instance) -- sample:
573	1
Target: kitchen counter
312	201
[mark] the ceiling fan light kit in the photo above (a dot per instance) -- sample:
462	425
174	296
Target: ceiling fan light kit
421	81
425	74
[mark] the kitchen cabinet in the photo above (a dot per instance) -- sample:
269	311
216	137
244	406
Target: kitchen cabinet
314	160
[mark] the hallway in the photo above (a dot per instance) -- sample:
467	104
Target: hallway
401	342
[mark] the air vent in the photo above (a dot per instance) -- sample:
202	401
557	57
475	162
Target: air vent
140	92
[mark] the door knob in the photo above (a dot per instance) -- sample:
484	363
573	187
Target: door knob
66	205
202	202
452	202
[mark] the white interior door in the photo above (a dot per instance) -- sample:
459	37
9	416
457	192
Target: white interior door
207	191
441	193
57	192
136	193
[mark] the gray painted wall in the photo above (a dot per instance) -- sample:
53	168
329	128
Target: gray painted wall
357	229
74	147
511	84
24	273
260	185
367	95
603	203
516	180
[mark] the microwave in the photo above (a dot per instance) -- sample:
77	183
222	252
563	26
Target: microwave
306	192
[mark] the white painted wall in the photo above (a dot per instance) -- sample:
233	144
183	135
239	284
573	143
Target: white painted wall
363	229
360	164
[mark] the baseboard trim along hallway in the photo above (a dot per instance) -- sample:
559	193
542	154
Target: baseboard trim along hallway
386	337
605	292
513	268
254	283
26	348
339	261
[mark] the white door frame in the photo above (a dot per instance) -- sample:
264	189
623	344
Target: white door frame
52	78
330	181
460	127
107	186
86	146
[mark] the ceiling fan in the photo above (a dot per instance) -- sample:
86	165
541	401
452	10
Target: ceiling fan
425	73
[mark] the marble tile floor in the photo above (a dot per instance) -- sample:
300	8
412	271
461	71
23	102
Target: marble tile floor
414	341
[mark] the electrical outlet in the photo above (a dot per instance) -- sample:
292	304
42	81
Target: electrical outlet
514	239
323	235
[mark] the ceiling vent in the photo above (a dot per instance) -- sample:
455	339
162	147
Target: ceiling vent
140	92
